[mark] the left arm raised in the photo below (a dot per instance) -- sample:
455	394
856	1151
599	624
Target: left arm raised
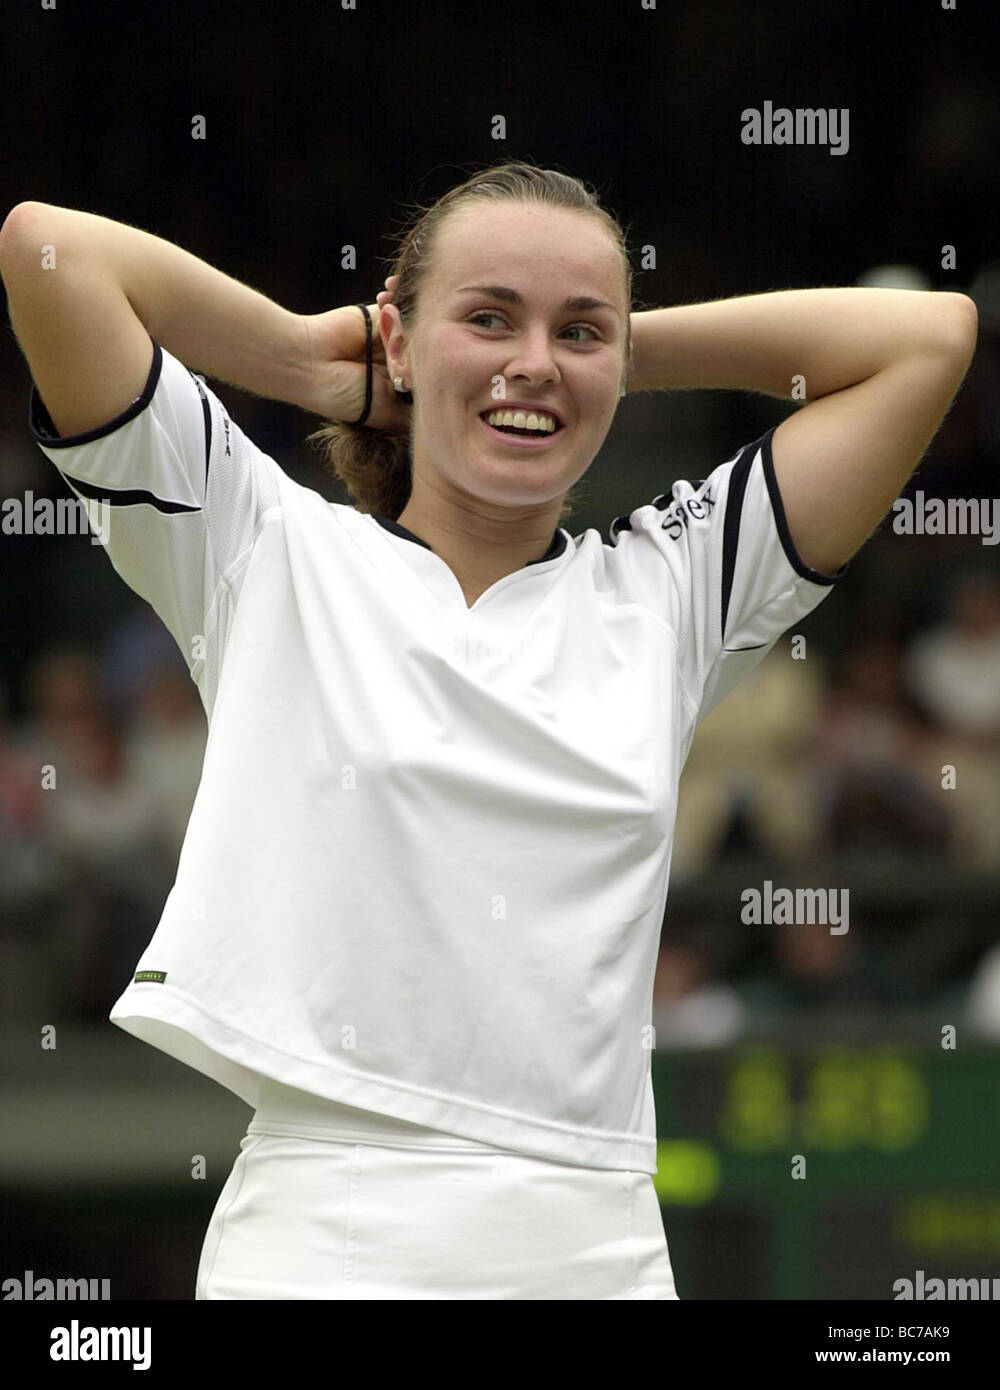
879	369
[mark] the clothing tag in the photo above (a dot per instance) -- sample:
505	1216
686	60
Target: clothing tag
155	977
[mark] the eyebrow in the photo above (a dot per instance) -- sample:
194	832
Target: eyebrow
579	302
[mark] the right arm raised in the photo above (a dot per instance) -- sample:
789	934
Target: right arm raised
85	324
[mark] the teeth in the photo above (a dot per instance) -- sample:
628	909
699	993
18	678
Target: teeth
522	421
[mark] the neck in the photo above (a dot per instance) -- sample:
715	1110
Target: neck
481	549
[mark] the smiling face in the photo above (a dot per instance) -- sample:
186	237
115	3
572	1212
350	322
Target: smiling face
534	298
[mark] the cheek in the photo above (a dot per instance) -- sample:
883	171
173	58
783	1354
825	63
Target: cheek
456	371
602	388
604	370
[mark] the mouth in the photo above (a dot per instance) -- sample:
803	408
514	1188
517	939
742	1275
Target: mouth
522	428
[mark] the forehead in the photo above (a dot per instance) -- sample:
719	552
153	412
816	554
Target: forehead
538	247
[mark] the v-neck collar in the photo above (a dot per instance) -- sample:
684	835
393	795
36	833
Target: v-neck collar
557	546
514	591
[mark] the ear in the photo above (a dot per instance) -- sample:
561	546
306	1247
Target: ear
394	341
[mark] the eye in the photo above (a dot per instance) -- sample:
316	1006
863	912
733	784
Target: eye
585	326
572	328
484	314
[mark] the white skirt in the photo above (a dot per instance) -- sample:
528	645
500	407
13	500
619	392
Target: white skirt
327	1201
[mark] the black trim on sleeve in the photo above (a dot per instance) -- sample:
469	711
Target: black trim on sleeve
778	507
43	429
207	412
126	497
731	526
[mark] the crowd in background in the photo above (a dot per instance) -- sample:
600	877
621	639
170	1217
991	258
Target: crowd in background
890	763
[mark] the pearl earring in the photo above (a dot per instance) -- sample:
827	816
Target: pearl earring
397	381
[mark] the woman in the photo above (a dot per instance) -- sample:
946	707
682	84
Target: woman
418	907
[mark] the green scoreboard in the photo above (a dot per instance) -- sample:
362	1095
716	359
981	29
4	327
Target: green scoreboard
828	1172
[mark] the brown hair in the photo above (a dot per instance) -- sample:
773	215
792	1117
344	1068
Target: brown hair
375	465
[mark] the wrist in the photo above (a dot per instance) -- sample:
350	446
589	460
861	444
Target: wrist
302	364
332	377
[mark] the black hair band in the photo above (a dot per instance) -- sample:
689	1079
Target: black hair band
368	368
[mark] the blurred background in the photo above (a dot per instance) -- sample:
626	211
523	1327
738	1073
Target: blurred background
874	1053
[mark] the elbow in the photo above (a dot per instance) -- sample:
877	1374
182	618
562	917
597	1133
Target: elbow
16	219
959	323
24	215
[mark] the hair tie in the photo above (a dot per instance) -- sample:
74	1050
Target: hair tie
368	368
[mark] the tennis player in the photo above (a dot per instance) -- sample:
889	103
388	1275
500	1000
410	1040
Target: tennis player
418	907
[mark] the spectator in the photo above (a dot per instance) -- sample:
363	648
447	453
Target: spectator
689	1008
813	971
104	828
751	758
879	783
953	672
65	695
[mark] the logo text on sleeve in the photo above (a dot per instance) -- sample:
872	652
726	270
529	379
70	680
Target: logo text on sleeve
681	513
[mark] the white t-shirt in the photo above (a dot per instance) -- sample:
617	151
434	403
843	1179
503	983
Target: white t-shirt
426	868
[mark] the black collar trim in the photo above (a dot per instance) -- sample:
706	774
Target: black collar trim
557	546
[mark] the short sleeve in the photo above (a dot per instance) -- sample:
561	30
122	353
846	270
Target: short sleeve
714	560
176	492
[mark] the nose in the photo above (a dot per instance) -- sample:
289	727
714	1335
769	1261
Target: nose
533	359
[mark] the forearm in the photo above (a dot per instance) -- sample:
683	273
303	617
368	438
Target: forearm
795	344
210	321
